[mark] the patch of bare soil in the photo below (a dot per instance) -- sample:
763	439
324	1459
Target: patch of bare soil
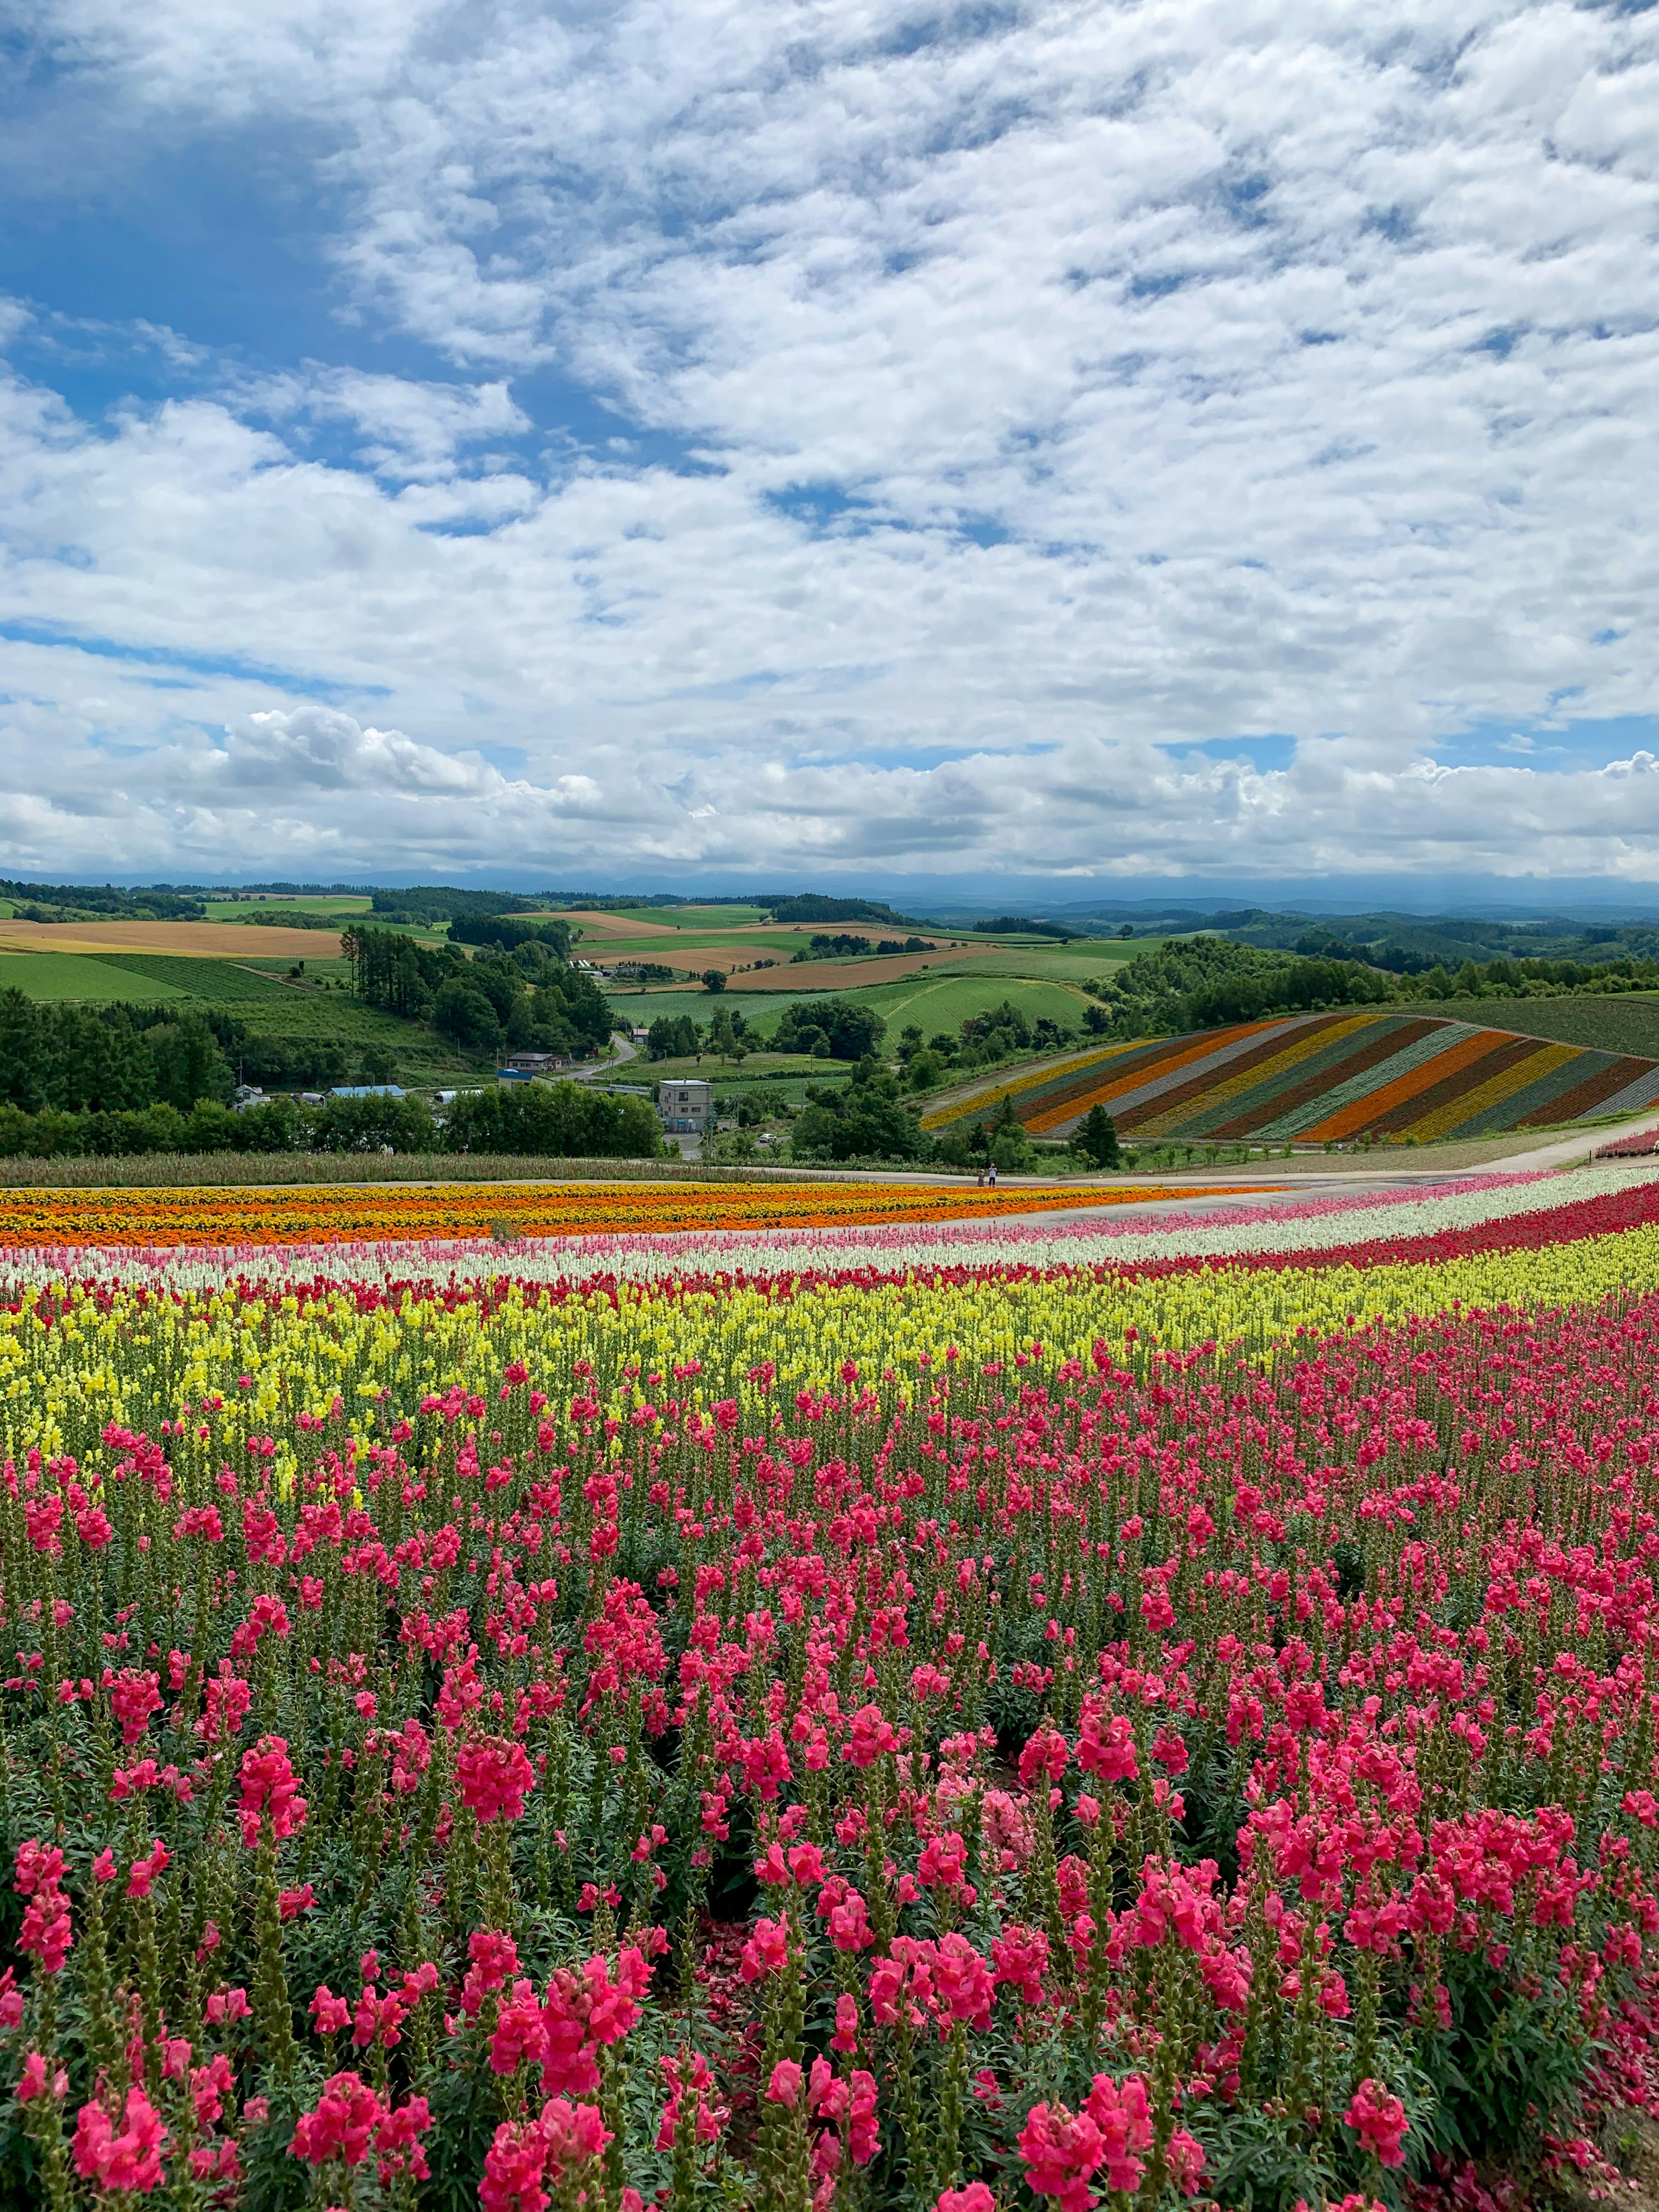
1629	2143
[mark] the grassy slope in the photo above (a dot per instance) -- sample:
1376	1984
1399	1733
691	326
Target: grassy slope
224	982
945	1002
334	971
79	977
755	1067
686	942
1066	963
274	1009
771	1073
936	1001
1615	1024
644	1007
693	917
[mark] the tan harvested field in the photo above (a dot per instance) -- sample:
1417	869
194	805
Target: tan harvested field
693	958
202	940
848	974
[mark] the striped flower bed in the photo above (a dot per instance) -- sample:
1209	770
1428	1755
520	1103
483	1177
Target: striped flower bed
1326	1077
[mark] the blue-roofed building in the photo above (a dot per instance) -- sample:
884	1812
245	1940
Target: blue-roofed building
369	1091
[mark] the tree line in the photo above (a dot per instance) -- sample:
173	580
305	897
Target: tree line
563	1121
99	903
848	946
1206	982
828	1029
431	903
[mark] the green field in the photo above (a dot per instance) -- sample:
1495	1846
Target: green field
945	1002
684	944
270	1008
643	1007
1066	963
936	1001
1032	961
785	1067
694	920
329	970
251	909
79	977
1612	1024
686	917
224	982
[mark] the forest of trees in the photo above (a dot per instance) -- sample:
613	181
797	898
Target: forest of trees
506	931
863	1119
86	1081
846	1031
439	902
106	1059
526	998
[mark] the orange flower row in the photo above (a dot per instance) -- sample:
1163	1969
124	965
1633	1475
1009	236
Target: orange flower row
336	1214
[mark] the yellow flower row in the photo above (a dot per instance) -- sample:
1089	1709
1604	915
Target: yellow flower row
66	1366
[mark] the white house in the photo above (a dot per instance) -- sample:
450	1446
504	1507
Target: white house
686	1107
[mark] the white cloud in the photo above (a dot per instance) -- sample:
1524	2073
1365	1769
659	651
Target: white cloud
414	430
316	750
315	789
1068	382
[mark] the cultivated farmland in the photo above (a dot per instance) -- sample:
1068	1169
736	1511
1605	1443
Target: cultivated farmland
78	976
1321	1079
208	938
1622	1023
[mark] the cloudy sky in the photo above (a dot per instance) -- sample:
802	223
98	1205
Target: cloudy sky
644	440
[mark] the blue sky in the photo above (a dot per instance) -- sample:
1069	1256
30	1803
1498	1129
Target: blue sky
1100	444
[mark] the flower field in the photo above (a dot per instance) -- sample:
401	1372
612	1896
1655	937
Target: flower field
1640	1146
930	1715
1326	1077
321	1214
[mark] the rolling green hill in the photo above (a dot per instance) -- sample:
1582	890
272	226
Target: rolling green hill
945	1002
276	1009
